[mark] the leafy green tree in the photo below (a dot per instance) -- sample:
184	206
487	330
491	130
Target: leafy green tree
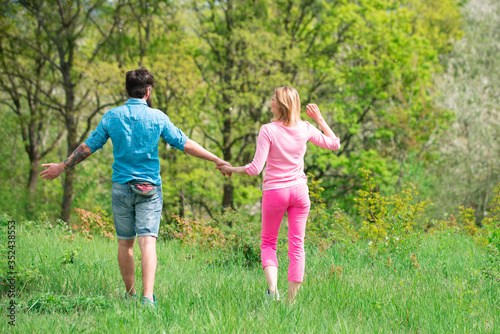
236	59
370	66
370	63
27	92
72	34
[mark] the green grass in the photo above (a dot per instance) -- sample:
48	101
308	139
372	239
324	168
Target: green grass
447	293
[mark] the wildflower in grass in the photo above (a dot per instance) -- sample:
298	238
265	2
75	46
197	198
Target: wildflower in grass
335	270
414	261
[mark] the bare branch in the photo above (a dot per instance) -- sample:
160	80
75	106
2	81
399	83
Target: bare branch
108	36
182	195
9	105
40	52
212	139
245	144
91	117
54	143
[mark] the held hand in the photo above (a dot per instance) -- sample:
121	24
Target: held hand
226	170
313	112
52	172
220	164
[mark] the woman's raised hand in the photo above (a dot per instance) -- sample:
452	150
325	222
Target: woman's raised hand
313	112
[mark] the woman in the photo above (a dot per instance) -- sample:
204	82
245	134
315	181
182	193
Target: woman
282	145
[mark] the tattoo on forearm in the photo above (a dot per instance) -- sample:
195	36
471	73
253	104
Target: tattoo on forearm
78	156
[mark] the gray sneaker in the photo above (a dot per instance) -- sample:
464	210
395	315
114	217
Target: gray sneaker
272	296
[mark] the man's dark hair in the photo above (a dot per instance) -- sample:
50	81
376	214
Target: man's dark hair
138	81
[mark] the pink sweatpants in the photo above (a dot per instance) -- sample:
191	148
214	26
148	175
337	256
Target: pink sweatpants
295	201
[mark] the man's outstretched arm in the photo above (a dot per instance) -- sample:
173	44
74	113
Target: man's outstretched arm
196	150
54	170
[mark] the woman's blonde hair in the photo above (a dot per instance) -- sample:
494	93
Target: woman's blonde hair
288	101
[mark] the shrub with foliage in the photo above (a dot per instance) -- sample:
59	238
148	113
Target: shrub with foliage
243	244
489	235
467	220
388	221
97	223
192	232
326	227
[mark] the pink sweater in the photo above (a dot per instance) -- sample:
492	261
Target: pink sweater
283	148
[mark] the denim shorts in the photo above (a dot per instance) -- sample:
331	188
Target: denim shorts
135	215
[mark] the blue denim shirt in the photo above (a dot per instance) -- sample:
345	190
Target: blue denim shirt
135	131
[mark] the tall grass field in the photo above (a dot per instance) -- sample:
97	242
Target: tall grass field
70	283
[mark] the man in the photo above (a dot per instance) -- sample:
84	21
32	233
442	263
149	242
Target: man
137	200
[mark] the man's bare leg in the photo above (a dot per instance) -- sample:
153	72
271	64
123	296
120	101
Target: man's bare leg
126	263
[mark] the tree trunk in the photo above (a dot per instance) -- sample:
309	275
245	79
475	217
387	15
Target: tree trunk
70	174
71	120
181	204
32	183
228	196
68	194
227	199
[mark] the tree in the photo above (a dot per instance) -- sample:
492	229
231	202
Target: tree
154	34
72	34
23	74
370	66
239	70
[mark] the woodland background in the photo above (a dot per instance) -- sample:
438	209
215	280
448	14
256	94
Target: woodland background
411	87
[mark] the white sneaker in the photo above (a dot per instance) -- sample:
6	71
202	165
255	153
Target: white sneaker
273	296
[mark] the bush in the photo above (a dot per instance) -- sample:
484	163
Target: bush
467	220
97	223
192	232
489	236
243	246
324	227
388	221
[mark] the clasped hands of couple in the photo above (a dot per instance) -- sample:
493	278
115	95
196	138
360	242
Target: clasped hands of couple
224	167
